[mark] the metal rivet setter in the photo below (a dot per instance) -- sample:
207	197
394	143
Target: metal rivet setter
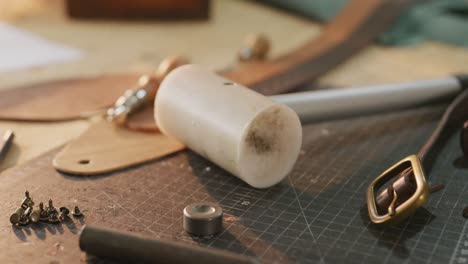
203	218
134	99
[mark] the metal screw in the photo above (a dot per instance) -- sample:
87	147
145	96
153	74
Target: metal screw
63	213
76	212
53	218
27	201
53	215
24	219
43	214
51	208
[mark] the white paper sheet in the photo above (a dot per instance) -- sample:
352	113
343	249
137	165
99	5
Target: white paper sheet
20	49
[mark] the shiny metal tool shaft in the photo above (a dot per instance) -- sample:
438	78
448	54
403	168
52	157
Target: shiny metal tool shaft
342	103
131	101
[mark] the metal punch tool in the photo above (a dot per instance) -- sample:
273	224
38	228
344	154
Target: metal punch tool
132	100
144	92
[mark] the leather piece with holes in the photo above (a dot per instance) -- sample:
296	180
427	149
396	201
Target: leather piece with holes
105	148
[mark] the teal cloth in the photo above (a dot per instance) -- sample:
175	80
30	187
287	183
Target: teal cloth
438	20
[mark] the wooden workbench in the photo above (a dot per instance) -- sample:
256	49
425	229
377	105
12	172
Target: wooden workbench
140	46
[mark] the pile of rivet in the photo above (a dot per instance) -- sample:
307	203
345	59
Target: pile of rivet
26	214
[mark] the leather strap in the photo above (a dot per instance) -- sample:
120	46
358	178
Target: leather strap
451	122
464	138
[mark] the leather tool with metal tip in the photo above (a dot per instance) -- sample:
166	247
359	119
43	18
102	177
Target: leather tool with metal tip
134	99
203	219
5	143
131	100
409	189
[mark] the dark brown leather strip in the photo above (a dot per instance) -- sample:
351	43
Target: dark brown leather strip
351	31
464	138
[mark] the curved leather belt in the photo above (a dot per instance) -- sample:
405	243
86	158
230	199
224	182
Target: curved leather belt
409	190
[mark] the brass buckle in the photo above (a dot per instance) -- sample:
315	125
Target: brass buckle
406	208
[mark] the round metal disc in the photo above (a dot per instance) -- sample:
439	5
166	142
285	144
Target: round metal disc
15	217
203	218
35	216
